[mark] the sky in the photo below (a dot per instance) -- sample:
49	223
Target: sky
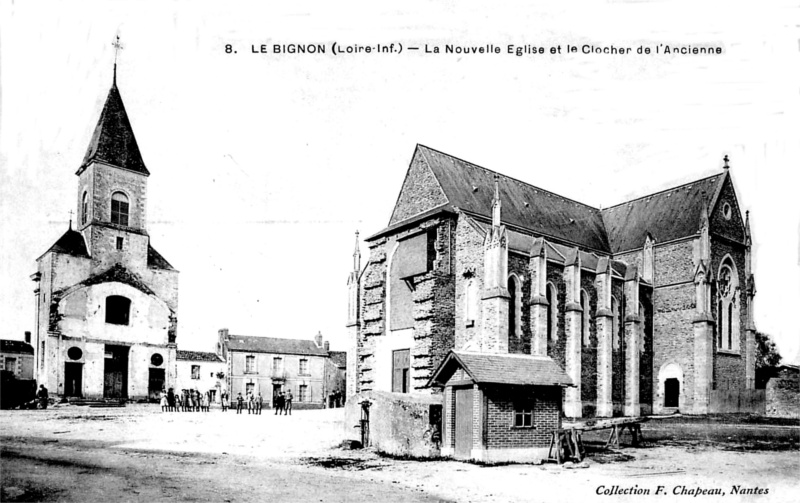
264	165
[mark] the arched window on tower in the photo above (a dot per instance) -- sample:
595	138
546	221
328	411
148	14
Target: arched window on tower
641	328
119	208
552	311
585	317
84	208
118	310
730	325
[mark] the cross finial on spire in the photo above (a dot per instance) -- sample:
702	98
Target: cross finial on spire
726	161
70	219
117	46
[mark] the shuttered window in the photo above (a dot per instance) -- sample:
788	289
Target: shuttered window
401	376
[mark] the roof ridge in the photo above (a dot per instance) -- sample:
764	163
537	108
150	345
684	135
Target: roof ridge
510	177
676	187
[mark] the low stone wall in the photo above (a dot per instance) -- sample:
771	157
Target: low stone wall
783	395
400	424
750	401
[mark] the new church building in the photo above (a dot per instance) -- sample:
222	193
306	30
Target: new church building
106	300
640	308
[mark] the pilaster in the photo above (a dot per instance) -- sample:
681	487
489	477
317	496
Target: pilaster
604	323
539	304
632	322
573	406
703	326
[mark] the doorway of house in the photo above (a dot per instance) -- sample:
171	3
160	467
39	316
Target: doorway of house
73	379
672	391
155	383
115	383
463	433
276	389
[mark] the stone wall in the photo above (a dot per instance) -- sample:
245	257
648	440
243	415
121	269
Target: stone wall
420	192
589	351
400	424
729	366
468	251
783	394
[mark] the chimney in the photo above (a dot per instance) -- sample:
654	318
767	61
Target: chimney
28	337
318	339
223	334
327	346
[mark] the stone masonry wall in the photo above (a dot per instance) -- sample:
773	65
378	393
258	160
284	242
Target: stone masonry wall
420	192
468	251
732	228
729	368
589	351
557	350
372	313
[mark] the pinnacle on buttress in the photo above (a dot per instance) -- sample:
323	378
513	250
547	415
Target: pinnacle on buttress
357	256
496	202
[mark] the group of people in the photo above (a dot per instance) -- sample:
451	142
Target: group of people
283	403
185	401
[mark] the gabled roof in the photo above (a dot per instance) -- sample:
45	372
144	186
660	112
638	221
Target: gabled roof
339	358
486	368
471	188
667	215
275	345
70	243
13	346
113	141
199	356
156	261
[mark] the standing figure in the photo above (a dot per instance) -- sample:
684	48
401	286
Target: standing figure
43	396
197	404
259	403
224	401
280	404
164	401
250	403
289	398
239	403
171	400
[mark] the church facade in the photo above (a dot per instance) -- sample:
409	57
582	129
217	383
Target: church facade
646	305
106	300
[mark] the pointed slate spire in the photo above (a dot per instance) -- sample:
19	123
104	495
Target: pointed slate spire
113	141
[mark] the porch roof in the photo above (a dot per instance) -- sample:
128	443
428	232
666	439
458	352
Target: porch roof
516	369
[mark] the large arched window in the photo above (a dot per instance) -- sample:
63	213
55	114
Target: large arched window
552	310
118	310
119	208
84	208
728	306
585	317
514	307
641	328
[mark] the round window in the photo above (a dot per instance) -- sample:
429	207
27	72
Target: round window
726	211
156	359
74	353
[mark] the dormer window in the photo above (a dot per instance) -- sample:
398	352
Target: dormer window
119	208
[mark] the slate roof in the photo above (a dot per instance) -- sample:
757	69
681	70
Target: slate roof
70	243
485	368
156	261
13	346
113	141
546	214
666	215
275	345
198	356
339	358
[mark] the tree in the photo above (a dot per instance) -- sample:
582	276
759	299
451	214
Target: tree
767	354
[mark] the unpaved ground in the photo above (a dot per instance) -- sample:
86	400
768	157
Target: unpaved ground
138	453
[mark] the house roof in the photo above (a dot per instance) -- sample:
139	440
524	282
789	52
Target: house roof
70	243
156	261
275	345
339	358
14	346
470	187
198	356
486	368
113	141
666	215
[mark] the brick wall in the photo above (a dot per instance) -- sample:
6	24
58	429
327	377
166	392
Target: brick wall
500	430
